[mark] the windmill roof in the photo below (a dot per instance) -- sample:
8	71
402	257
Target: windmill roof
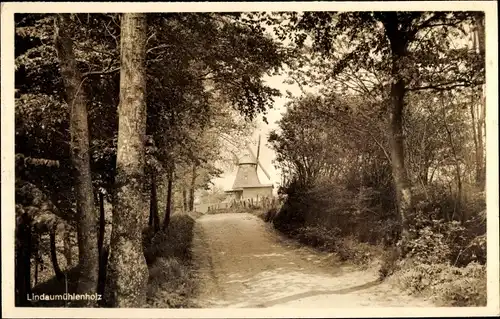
247	159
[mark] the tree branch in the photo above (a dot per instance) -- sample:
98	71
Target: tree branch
442	87
102	72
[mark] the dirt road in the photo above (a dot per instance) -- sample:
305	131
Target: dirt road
245	263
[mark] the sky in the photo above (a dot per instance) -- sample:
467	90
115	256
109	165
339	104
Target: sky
267	155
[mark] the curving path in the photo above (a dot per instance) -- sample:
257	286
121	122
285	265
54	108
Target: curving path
243	262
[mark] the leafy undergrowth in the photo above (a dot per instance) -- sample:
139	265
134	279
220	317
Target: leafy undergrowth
171	277
347	249
444	262
447	285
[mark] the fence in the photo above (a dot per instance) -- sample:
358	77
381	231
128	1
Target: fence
251	203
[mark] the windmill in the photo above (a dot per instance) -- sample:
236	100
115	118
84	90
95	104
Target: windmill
259	164
247	183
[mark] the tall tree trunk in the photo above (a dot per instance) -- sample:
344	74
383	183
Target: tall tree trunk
102	224
396	136
479	26
103	264
168	207
36	269
184	199
399	173
151	219
481	178
67	247
75	98
127	270
36	248
477	164
103	252
480	163
23	261
192	187
154	218
53	254
458	174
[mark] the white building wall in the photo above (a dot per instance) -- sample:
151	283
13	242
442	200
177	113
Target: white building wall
255	192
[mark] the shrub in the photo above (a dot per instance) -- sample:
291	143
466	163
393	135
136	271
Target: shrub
447	284
346	248
175	241
438	241
171	283
359	253
428	247
416	278
467	290
390	262
475	251
317	236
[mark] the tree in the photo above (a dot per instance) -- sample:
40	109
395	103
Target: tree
194	61
127	272
168	205
86	212
478	121
397	46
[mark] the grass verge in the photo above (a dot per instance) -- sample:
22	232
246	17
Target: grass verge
171	281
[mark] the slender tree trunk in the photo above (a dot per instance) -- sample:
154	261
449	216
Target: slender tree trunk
477	164
154	218
23	261
151	219
102	224
127	271
480	163
53	254
399	173
168	207
103	264
36	247
67	247
458	174
75	98
396	136
184	199
103	251
36	269
192	187
96	196
481	179
479	24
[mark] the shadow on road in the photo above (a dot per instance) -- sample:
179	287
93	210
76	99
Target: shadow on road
317	293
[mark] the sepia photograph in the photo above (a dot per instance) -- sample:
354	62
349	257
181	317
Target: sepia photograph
249	158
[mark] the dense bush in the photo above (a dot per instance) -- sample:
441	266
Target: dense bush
436	240
445	254
170	284
174	242
359	203
291	214
445	283
345	248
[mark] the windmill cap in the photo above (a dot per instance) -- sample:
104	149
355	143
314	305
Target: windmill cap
247	159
